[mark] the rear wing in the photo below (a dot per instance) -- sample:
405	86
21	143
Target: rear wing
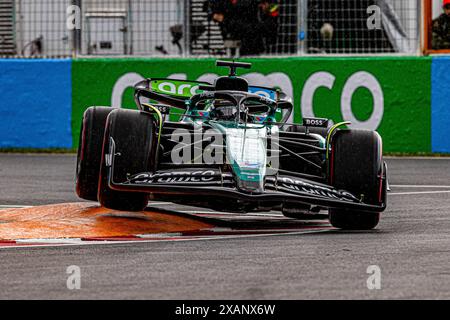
173	93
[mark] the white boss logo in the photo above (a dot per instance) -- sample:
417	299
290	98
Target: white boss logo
313	122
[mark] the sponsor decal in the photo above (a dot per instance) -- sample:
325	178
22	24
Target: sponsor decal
268	100
175	87
174	177
321	191
316	122
208	94
263	92
371	93
361	79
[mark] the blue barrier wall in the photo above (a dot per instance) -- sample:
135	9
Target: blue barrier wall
35	103
440	102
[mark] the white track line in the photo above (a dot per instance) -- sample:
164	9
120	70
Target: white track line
417	193
417	158
419	186
209	212
92	243
14	206
220	213
50	241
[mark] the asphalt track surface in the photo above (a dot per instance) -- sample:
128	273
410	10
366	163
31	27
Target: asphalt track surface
411	246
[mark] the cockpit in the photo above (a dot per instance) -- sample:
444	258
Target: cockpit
237	107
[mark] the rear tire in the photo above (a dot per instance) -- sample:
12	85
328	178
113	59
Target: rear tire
357	166
134	134
90	151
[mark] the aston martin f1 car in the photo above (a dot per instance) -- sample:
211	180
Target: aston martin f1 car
228	146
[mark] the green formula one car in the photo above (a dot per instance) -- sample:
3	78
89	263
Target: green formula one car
230	149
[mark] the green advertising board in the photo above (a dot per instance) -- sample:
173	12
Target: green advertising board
389	94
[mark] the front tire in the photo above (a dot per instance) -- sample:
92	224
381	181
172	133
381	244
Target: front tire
357	166
353	220
90	151
134	135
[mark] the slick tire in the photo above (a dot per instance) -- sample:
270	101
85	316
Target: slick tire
134	135
356	165
90	151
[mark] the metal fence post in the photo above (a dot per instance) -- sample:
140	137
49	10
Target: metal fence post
76	33
302	26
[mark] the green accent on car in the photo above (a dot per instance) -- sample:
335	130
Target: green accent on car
158	117
331	131
176	88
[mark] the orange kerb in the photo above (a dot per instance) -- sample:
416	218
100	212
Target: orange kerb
79	220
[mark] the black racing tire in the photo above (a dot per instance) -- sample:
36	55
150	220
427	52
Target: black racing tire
356	165
134	135
89	152
302	129
350	220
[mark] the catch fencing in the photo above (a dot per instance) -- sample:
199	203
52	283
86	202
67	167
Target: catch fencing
190	28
